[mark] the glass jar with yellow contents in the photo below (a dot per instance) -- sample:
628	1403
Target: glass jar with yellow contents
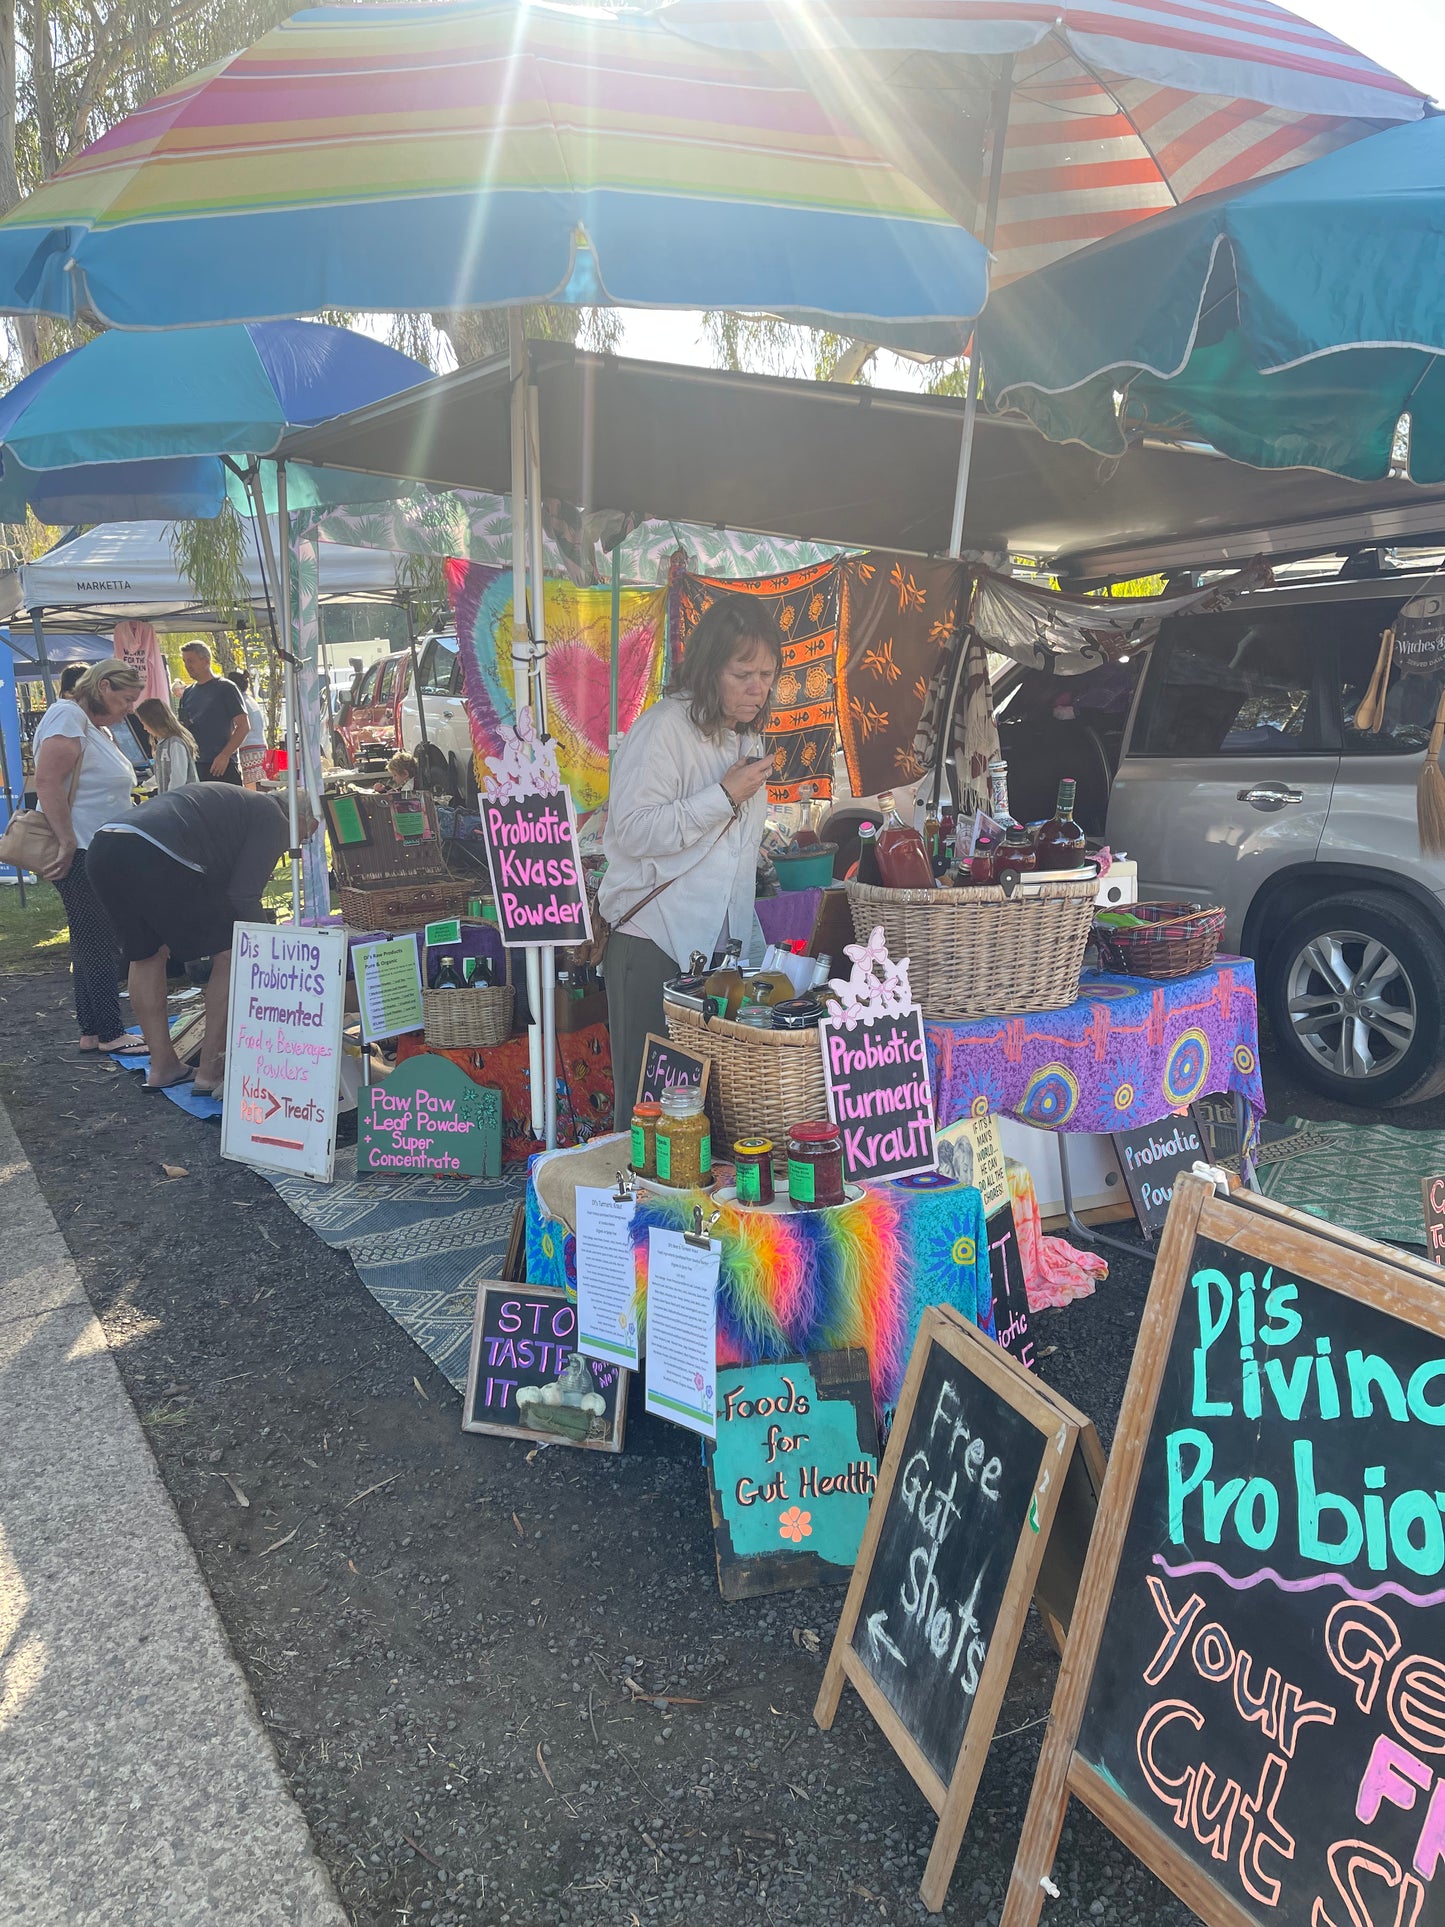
644	1137
684	1139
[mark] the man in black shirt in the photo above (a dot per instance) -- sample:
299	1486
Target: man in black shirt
174	876
215	714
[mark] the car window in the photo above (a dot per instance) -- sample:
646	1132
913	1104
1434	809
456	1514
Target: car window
366	691
1402	654
1238	684
386	688
440	667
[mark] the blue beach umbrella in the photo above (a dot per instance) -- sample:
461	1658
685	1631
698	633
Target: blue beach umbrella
137	427
1292	325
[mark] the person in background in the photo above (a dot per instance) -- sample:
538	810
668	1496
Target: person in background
253	750
83	779
685	822
175	875
172	744
215	713
402	771
69	677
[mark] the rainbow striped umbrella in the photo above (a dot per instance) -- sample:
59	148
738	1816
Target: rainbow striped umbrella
1115	109
487	155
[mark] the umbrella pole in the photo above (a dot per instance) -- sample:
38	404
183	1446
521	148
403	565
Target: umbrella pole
37	624
521	674
998	126
293	733
548	957
612	667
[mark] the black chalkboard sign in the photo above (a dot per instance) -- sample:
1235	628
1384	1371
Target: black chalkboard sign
879	1095
1151	1158
526	1379
1432	1198
666	1067
1253	1696
536	870
976	1463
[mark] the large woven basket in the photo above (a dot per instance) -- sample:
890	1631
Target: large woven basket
1180	939
474	1018
402	906
763	1081
979	952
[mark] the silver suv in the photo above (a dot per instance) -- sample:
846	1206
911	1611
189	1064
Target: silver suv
1233	771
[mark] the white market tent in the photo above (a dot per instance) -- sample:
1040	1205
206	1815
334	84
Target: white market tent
125	571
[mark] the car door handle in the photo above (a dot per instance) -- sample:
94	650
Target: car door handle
1269	796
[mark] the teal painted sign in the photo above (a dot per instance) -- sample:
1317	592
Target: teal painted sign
429	1116
792	1471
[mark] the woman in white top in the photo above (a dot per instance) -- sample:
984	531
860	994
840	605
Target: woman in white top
685	821
83	779
253	750
173	747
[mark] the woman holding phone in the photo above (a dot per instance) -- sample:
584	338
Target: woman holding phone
685	823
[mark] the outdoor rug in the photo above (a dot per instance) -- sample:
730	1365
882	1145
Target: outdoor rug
1364	1177
419	1244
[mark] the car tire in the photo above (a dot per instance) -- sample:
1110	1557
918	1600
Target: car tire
434	770
1326	1033
340	754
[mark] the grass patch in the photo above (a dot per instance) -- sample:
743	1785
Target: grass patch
38	934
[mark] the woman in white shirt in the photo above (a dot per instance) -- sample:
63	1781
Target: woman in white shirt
685	821
253	749
83	779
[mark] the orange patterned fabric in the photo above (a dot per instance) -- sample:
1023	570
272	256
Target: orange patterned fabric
801	729
897	618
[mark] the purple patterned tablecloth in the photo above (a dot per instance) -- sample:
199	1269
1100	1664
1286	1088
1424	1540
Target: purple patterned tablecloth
1129	1052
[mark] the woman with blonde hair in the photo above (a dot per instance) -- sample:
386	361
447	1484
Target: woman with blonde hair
173	745
83	778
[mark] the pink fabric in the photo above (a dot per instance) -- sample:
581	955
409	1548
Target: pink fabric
1055	1273
135	643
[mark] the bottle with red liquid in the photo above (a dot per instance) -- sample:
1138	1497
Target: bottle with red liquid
1060	843
903	859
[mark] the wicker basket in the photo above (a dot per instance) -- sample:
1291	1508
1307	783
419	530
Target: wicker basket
474	1018
979	952
763	1081
402	906
1182	938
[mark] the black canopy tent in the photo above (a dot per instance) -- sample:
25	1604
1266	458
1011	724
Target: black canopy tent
874	468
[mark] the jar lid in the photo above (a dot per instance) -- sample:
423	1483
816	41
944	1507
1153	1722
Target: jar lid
812	1133
649	1107
682	1100
753	1147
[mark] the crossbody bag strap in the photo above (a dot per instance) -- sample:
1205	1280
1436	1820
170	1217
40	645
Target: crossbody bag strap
668	882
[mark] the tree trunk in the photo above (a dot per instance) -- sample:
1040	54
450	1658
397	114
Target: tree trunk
42	67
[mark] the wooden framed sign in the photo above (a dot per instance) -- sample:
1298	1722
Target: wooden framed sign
429	1116
665	1067
976	1465
1253	1693
1432	1196
536	870
791	1472
527	1380
879	1094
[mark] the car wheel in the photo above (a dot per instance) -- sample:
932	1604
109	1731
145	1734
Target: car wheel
434	770
340	754
1355	992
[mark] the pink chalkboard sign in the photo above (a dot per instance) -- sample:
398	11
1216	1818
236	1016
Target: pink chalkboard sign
531	843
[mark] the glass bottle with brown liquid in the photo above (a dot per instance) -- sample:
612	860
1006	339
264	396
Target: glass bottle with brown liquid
723	991
1060	842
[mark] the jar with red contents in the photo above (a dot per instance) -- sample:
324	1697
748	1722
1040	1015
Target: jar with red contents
815	1165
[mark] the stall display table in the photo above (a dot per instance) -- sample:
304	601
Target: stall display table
584	1084
794	1282
1130	1051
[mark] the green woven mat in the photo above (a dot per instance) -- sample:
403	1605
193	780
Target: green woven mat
1364	1177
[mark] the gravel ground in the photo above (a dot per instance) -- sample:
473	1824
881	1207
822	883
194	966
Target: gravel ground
502	1682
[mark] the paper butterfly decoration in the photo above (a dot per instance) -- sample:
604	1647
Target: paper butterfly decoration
527	765
877	987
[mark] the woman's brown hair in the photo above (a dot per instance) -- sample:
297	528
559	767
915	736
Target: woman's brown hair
729	627
161	720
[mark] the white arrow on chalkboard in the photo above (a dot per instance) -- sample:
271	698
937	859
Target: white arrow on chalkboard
877	1637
